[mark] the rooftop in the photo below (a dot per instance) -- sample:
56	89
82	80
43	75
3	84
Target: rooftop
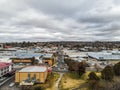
105	55
4	64
34	69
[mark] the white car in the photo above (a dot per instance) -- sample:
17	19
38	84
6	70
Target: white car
11	84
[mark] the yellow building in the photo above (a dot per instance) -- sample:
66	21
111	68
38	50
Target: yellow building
22	61
31	75
48	62
49	59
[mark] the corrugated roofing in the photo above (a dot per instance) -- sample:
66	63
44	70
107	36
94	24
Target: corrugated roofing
34	69
104	55
28	55
47	55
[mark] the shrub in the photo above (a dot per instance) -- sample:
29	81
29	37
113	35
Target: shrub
93	76
116	69
107	73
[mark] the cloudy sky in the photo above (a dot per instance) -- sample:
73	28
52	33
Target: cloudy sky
59	20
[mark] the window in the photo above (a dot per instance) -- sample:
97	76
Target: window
1	69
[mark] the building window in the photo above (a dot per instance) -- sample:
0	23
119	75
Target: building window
1	69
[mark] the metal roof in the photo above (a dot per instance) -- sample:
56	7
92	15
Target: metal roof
28	55
104	55
47	55
34	69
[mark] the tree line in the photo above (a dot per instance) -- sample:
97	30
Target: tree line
107	75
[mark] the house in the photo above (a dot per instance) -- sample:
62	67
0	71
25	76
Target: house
31	74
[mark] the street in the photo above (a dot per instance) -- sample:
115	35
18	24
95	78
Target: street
6	86
61	66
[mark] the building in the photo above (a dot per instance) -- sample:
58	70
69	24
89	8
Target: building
1	46
26	58
5	68
22	60
108	57
32	74
104	55
49	59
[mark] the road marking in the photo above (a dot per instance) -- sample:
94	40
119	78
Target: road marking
6	80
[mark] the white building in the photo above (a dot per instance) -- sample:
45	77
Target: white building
5	68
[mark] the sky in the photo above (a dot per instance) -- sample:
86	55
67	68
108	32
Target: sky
59	20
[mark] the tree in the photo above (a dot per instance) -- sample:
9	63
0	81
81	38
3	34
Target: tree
81	68
93	76
107	73
93	81
116	69
74	66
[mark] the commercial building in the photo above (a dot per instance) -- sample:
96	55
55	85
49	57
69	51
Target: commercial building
49	59
104	55
26	58
1	46
22	60
108	57
32	74
5	68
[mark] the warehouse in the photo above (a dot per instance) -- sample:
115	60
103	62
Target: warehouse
31	75
109	57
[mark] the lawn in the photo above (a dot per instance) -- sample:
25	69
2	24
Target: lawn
72	80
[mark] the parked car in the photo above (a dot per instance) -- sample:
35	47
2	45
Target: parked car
12	84
2	79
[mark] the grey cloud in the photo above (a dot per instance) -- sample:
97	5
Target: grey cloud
44	20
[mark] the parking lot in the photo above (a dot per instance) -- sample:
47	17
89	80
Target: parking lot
6	86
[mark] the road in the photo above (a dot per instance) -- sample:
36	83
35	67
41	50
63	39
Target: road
61	66
7	87
58	81
5	84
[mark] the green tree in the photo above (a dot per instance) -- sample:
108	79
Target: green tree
116	69
93	81
93	76
81	68
107	73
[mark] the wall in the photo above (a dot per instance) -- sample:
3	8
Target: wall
40	76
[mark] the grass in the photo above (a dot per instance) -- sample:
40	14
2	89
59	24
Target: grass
72	80
69	81
85	75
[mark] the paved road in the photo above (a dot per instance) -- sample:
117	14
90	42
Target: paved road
58	81
61	66
6	80
6	85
